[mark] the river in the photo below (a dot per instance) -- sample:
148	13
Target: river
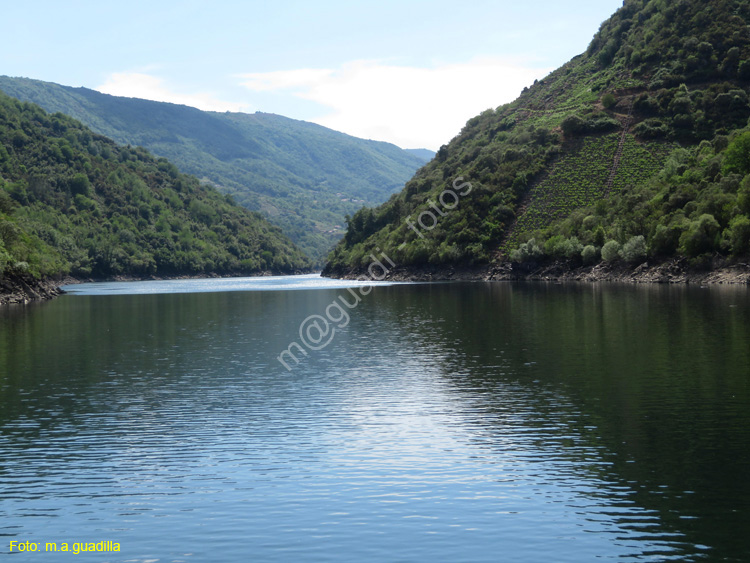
476	422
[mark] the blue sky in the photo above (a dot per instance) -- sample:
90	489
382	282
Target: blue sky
408	72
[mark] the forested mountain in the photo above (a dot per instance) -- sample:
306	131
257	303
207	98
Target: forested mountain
303	177
637	149
74	202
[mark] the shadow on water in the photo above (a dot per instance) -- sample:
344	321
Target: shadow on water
630	404
654	380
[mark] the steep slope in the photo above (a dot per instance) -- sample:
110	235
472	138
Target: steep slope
628	140
73	202
303	177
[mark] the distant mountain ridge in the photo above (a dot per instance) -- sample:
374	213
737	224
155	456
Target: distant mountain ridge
426	154
302	176
73	202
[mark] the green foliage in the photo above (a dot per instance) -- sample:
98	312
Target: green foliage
681	65
65	208
578	180
666	239
611	251
589	254
79	184
737	156
701	236
608	100
573	125
743	196
569	248
5	258
6	202
634	250
527	252
301	176
651	129
738	235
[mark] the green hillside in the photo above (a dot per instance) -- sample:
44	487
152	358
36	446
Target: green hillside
303	177
635	149
74	202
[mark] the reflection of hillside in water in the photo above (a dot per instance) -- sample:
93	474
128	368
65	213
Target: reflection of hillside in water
642	388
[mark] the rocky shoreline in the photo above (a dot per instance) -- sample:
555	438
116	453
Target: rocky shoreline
23	289
676	271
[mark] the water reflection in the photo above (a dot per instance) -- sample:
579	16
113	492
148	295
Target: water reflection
649	383
447	422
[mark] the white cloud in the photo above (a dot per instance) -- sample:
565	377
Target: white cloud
409	106
149	87
286	79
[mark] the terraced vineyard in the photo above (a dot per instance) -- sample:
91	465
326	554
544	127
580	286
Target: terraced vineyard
575	160
579	179
640	161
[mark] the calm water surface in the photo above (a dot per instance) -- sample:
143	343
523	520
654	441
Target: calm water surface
445	422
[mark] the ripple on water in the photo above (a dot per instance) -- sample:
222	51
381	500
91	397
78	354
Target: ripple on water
401	441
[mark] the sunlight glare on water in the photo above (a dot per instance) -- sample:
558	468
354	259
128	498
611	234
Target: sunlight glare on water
205	285
446	422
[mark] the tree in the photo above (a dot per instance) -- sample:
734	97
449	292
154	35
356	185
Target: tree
635	249
608	100
589	254
4	257
573	125
701	236
6	203
739	235
611	251
599	236
527	252
743	196
79	184
737	155
569	248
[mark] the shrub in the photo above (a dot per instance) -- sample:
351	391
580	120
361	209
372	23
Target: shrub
666	239
737	155
552	243
573	125
570	248
599	236
21	267
6	203
4	258
607	54
589	254
739	235
527	252
611	251
590	222
743	196
602	124
79	184
651	129
701	236
635	249
609	100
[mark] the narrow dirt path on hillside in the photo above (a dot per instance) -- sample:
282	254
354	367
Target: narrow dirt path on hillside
526	199
618	153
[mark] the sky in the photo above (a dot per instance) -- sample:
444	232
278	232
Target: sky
409	72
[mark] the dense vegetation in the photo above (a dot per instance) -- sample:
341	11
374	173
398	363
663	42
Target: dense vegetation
633	149
301	176
74	202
